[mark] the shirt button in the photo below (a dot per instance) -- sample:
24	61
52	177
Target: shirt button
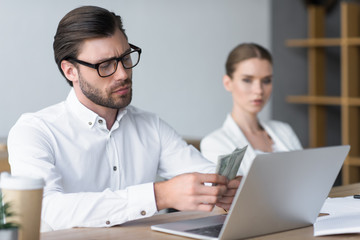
114	168
143	213
90	123
108	222
100	121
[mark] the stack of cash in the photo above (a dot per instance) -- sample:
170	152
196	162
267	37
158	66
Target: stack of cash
228	165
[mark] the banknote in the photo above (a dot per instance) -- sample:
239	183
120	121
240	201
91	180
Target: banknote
228	165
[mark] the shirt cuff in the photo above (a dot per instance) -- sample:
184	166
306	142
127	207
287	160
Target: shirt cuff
141	202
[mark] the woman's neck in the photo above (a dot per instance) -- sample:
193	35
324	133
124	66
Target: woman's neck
249	124
246	122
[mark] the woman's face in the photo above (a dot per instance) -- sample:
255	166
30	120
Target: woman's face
250	84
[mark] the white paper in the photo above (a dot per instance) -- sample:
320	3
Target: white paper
337	224
344	217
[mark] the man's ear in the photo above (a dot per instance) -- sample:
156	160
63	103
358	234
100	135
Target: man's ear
227	83
70	71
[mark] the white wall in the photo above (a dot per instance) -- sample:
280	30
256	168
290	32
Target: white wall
185	44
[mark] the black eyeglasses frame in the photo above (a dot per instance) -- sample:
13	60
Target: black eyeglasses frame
118	59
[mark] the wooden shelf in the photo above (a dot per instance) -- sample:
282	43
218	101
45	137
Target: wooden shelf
324	100
314	42
323	42
352	161
316	100
349	99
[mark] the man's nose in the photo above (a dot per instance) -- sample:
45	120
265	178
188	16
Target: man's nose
121	73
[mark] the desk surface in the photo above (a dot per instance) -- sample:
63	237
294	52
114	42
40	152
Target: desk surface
140	229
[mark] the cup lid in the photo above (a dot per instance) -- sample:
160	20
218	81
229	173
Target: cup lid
8	181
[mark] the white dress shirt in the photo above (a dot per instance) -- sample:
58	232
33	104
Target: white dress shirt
96	177
229	136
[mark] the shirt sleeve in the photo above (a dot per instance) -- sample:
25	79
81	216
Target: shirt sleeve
177	157
216	144
31	154
210	148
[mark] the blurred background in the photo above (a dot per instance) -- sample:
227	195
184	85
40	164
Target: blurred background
184	48
185	45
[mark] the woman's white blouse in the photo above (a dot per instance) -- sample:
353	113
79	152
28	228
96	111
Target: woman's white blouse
229	136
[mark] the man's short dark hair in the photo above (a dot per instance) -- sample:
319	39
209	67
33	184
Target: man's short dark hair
80	24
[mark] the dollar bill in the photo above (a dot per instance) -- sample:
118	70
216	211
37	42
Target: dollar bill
228	165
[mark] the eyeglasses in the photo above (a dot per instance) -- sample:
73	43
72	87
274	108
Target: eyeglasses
107	68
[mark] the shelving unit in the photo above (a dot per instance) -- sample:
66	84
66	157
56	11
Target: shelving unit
349	99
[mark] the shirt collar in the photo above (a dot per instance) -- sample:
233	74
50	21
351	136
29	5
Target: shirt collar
88	117
85	115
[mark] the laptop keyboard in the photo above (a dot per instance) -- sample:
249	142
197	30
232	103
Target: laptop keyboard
211	231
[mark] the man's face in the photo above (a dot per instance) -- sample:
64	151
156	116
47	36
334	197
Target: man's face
114	91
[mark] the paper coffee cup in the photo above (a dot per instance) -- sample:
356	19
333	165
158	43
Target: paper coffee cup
25	197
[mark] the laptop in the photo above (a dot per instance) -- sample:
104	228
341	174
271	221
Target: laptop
281	191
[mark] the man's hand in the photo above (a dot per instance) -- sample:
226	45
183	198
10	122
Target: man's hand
187	192
228	197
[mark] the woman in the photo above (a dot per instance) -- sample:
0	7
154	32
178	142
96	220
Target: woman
249	79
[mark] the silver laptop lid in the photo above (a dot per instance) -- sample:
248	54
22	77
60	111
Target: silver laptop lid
283	191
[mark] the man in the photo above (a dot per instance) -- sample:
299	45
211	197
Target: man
98	155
